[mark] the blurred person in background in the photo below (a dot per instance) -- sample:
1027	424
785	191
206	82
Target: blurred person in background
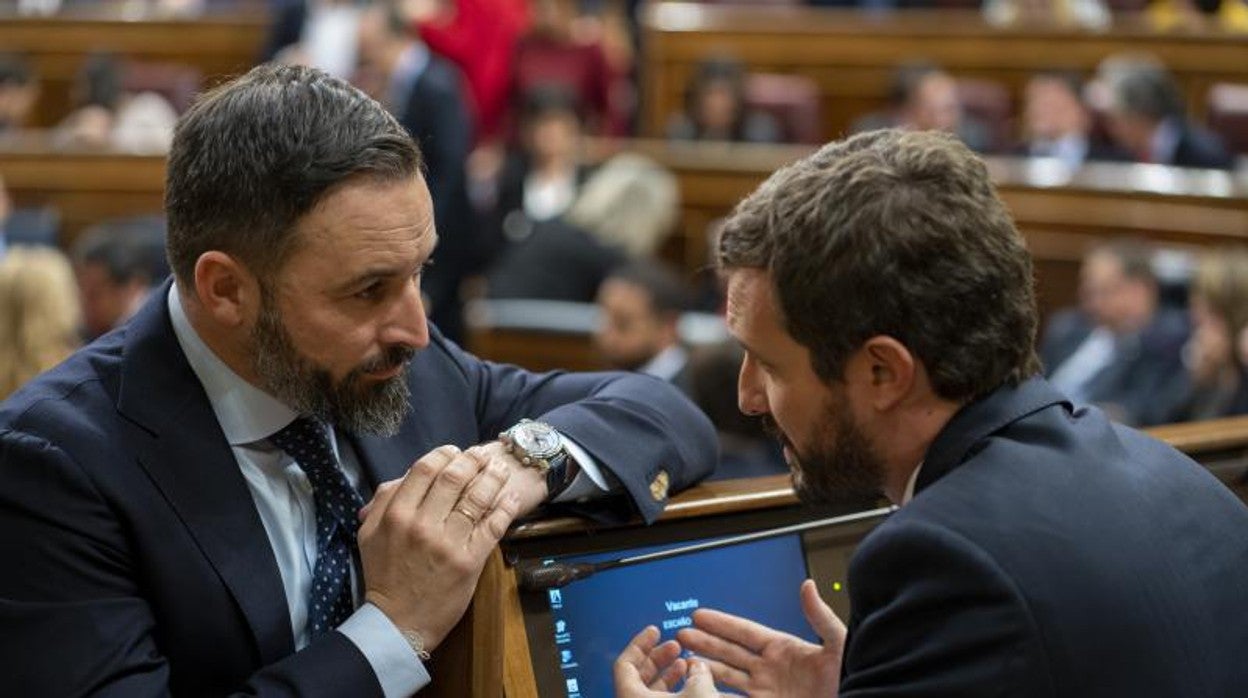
117	264
1219	313
106	116
424	93
18	92
631	202
1057	124
715	107
38	314
1147	117
320	33
554	52
745	449
544	174
638	328
1120	349
479	36
625	211
923	97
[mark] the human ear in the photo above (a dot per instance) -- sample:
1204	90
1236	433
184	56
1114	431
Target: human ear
226	289
892	368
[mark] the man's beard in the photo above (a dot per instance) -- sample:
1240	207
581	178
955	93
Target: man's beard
351	404
840	467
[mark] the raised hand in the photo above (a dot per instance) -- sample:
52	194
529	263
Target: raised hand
646	669
766	663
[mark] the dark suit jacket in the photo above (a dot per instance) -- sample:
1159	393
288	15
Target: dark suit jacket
1146	380
135	561
556	261
1200	148
1050	552
437	118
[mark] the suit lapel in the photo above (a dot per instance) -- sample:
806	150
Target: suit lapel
183	450
980	419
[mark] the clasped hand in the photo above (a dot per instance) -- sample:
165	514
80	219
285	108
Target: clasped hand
736	653
424	538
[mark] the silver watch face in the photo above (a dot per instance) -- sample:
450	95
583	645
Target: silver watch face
537	439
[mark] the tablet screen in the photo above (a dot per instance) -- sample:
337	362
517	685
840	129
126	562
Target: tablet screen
594	618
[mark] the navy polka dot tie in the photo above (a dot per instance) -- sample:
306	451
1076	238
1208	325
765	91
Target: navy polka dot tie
330	602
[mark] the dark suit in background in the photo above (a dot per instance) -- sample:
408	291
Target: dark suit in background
555	261
1050	552
429	102
137	562
1145	379
1198	147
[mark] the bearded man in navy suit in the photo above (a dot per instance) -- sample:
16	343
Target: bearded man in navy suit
184	501
884	299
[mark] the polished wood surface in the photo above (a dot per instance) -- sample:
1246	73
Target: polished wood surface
851	54
86	187
220	44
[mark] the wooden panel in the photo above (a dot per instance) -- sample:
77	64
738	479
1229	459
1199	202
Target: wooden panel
85	187
851	55
220	45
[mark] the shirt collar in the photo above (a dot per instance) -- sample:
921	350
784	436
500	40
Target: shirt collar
667	363
246	413
914	477
1165	141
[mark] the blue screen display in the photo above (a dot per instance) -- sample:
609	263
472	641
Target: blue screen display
594	618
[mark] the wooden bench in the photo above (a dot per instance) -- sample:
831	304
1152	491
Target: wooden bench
219	44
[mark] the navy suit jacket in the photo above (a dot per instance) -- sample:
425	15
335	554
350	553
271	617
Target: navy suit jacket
1200	148
135	560
1146	380
1051	552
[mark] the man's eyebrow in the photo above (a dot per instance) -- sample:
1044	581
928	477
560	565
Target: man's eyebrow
751	351
370	275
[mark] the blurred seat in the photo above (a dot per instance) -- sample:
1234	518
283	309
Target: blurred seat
988	102
1228	114
792	100
177	83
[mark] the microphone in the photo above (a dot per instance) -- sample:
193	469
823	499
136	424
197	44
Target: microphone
539	576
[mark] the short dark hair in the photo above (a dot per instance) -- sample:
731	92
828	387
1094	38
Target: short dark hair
1133	256
100	81
127	249
901	234
253	156
1148	91
669	296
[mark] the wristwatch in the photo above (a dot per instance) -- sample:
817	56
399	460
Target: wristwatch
538	445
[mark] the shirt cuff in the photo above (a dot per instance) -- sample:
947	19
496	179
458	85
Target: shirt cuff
590	481
399	671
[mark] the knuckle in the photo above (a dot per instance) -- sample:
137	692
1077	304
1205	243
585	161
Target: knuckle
425	468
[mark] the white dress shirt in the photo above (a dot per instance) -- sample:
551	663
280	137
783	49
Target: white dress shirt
283	496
